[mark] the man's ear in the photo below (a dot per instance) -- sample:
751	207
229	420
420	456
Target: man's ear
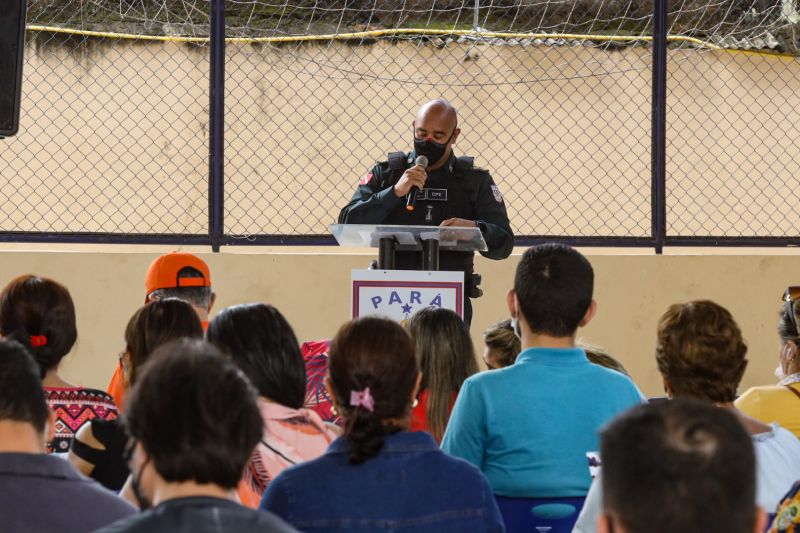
511	301
212	301
456	133
589	314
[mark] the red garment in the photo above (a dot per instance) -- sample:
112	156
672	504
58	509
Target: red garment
116	388
419	417
318	399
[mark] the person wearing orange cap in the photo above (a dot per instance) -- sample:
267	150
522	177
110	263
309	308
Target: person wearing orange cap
173	275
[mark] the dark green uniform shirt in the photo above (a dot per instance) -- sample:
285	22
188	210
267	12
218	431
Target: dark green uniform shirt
457	190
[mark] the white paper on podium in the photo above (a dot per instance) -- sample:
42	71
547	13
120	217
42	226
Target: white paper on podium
398	294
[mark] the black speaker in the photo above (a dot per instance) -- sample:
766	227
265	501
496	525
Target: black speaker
12	43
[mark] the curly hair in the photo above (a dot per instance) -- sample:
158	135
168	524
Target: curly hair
700	351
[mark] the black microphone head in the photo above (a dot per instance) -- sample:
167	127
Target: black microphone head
421	161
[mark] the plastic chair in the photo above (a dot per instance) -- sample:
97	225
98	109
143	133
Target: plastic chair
539	515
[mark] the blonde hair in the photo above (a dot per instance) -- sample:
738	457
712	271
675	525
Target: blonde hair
599	356
501	339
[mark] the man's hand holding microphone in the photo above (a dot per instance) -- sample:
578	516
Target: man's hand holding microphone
412	181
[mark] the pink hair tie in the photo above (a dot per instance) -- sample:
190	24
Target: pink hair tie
362	398
38	341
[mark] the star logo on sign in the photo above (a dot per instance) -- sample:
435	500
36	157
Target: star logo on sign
407	309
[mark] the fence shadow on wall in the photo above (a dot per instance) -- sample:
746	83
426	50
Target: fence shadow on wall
636	124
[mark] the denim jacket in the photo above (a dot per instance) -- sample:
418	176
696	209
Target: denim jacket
410	486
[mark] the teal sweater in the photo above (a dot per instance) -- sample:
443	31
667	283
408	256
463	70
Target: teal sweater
528	426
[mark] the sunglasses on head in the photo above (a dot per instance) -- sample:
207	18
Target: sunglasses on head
790	295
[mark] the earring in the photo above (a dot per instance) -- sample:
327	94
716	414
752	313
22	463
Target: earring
414	403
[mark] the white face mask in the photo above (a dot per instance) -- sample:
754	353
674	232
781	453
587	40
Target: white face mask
779	372
515	327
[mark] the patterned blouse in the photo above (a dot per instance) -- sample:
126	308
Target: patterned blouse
291	436
73	408
318	399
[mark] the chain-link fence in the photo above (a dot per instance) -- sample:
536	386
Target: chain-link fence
113	132
561	121
555	98
734	125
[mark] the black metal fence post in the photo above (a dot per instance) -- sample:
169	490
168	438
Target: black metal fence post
216	186
659	118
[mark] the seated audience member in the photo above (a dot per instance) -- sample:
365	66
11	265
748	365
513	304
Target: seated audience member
174	275
701	354
529	426
39	313
599	356
260	341
447	358
41	493
97	450
787	516
502	345
379	476
678	466
193	420
781	403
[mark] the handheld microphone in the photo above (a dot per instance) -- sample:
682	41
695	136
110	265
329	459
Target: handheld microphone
411	197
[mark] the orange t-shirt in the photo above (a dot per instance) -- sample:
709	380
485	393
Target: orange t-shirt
115	387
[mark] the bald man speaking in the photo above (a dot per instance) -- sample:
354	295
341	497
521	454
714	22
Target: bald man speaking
451	192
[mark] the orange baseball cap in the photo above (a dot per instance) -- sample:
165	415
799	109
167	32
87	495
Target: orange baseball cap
163	272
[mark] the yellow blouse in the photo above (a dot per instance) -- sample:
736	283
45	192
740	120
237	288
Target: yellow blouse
772	403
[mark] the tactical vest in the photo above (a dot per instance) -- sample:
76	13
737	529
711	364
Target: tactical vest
446	195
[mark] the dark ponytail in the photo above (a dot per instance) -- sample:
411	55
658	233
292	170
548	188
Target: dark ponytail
41	310
373	371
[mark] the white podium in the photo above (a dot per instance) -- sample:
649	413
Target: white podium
398	294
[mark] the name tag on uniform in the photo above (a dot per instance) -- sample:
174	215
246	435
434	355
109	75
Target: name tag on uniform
432	195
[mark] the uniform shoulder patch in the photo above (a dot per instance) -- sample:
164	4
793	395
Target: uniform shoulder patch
498	196
365	179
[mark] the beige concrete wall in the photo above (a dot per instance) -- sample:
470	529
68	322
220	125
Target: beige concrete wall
310	286
114	135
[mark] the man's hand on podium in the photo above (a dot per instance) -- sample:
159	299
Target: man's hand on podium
460	222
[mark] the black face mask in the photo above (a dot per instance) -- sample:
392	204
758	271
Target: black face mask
136	486
143	501
431	149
